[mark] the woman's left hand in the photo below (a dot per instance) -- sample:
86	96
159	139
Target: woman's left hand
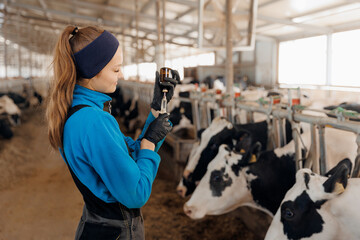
169	84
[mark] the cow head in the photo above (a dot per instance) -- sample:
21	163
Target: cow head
211	138
224	186
304	213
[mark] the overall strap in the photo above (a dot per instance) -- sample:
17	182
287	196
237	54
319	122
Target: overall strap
93	203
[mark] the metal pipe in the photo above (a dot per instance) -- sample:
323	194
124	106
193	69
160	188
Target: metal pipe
137	39
281	133
5	57
229	69
163	29
296	137
357	159
312	160
195	115
208	114
322	150
350	126
200	23
347	125
249	117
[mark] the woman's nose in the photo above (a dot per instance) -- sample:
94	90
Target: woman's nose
120	75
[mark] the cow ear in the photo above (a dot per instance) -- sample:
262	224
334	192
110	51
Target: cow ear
338	181
253	154
345	162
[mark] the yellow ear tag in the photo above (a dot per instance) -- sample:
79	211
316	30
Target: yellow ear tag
242	151
339	188
253	159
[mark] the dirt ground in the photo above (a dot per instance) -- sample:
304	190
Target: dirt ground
38	199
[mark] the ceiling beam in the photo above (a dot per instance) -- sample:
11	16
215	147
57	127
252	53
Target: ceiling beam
63	24
180	15
347	2
185	2
66	14
44	6
125	12
310	28
143	9
269	3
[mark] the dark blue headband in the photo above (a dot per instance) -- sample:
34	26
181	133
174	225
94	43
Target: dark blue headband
93	58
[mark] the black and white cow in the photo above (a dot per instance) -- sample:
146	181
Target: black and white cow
319	208
346	105
5	129
220	132
257	179
234	180
10	110
19	100
9	115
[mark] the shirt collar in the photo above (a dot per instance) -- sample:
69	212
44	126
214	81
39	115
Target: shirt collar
89	97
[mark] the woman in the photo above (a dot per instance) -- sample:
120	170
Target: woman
113	173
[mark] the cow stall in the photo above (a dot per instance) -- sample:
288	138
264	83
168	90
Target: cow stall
317	120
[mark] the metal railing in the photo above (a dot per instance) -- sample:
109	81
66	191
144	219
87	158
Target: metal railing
223	105
294	114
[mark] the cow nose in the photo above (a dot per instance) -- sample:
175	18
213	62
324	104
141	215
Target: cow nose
181	191
189	210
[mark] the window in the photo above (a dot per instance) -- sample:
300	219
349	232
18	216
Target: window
147	70
303	61
345	59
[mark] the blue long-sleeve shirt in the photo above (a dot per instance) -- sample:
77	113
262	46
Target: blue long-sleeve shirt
96	151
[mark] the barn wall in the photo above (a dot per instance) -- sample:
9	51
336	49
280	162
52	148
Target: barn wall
260	65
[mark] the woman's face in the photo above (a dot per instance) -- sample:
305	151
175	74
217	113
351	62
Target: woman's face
106	80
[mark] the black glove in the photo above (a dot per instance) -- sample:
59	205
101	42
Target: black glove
158	128
169	84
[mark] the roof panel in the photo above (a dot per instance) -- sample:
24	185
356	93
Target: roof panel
278	30
292	8
336	19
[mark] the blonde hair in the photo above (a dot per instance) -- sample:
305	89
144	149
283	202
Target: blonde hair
65	78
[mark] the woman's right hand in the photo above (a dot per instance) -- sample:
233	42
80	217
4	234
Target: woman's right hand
158	129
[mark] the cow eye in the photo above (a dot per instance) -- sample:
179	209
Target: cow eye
216	178
288	213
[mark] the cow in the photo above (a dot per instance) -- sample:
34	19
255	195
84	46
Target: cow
9	115
347	106
19	100
10	109
319	207
221	131
258	179
5	130
235	179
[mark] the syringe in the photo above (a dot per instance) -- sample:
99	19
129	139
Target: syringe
164	102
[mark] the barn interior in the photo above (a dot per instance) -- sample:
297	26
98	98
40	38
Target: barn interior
242	62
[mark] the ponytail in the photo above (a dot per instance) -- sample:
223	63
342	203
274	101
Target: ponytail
65	78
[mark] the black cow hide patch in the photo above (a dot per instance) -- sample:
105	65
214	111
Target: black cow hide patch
219	181
274	177
300	218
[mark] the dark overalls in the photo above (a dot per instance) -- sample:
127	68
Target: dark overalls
105	221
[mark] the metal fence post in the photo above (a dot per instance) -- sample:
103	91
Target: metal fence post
357	159
322	149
